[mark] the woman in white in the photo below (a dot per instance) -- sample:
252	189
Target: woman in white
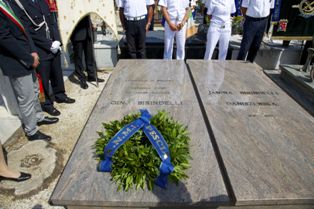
175	13
219	12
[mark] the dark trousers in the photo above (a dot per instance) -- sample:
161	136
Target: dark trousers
50	70
135	37
253	32
79	47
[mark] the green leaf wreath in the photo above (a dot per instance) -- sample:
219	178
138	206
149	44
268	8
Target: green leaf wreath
136	163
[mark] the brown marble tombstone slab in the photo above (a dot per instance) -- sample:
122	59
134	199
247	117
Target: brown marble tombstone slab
155	85
265	139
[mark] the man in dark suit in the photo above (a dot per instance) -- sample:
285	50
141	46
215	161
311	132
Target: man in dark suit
18	59
82	41
38	21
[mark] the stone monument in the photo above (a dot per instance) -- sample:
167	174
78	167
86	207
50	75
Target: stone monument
154	85
252	145
300	79
264	138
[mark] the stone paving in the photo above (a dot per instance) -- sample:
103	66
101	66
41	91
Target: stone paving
45	161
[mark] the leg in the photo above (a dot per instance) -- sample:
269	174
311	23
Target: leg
56	77
57	82
44	71
256	43
24	92
140	40
130	38
4	169
39	112
248	34
180	40
78	59
169	38
212	39
89	58
224	43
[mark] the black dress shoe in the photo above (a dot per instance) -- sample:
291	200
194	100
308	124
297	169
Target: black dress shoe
83	84
22	177
51	110
47	121
65	99
91	79
39	136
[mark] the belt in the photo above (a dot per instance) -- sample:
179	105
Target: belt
257	18
136	18
227	25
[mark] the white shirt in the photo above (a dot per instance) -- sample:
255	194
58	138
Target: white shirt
176	8
135	8
220	11
258	8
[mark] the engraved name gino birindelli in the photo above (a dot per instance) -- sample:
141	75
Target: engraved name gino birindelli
150	92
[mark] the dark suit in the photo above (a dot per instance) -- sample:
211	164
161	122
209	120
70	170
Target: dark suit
82	41
16	62
15	49
50	64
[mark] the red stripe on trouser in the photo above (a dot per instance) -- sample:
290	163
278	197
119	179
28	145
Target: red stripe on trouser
41	89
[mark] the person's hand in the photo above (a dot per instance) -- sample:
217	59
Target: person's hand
173	27
180	25
36	60
55	47
147	27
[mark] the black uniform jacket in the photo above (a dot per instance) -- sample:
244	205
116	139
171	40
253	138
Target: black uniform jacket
15	49
83	30
37	11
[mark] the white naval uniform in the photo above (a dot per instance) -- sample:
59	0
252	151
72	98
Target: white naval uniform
134	8
176	10
220	27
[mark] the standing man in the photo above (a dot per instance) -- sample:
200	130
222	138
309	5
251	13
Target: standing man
176	14
135	17
219	13
256	14
18	60
82	41
38	21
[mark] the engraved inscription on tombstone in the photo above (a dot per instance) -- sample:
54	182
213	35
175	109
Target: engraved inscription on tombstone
264	137
155	85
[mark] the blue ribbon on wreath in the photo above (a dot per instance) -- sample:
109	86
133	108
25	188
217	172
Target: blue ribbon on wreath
154	136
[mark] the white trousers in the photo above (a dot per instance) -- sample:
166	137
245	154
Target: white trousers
215	34
180	42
